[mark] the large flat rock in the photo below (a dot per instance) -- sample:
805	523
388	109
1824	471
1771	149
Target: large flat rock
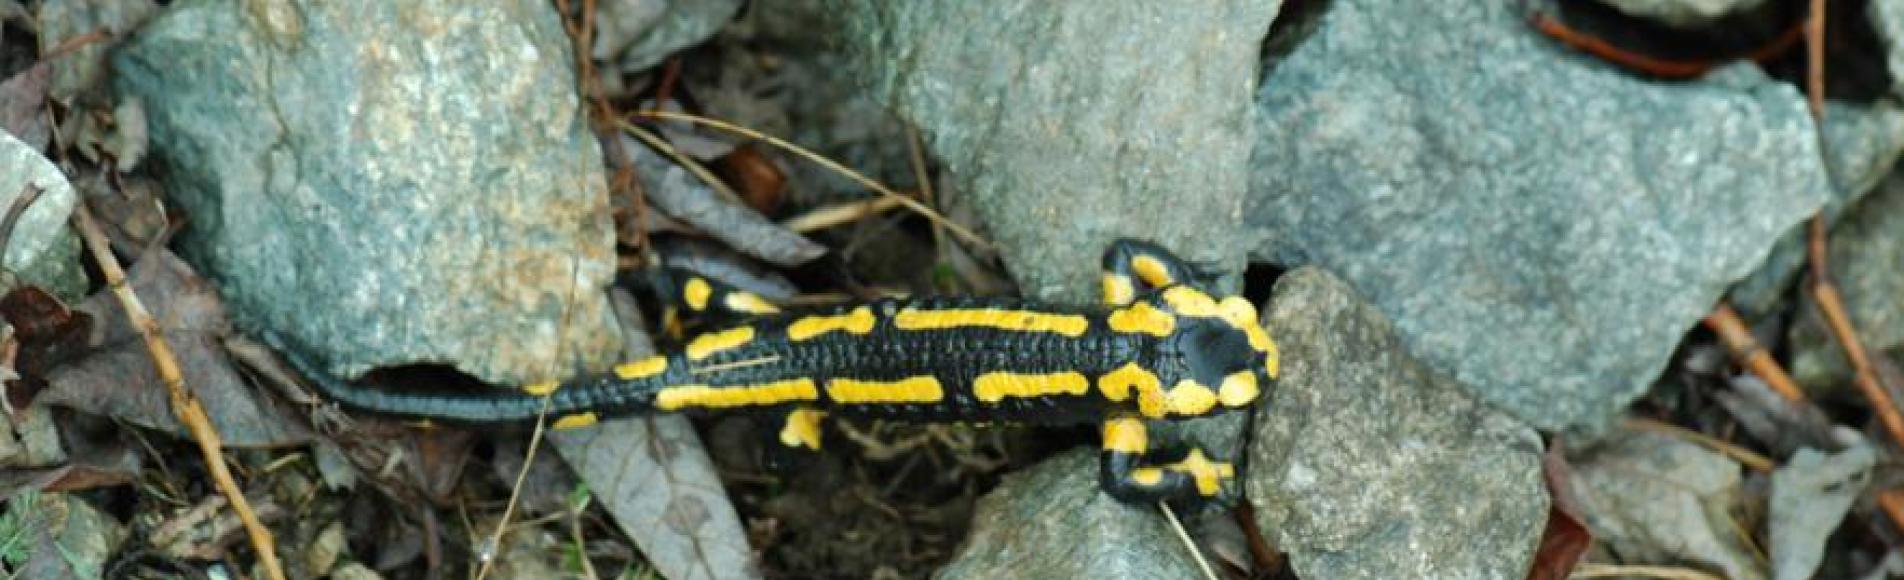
386	182
1538	224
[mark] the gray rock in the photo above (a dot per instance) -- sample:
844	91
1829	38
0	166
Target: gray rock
387	182
42	251
63	20
1367	464
1887	16
1862	143
1683	12
1654	499
1540	225
637	34
1864	251
1070	124
1051	521
1810	495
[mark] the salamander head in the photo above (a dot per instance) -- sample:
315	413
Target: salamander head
1220	355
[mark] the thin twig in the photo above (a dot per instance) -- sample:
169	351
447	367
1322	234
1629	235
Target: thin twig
1659	67
1744	456
184	404
876	186
1188	544
839	214
916	157
1815	60
1725	322
683	160
28	194
1825	295
1617	571
1892	502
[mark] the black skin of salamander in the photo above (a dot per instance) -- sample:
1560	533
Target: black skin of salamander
954	356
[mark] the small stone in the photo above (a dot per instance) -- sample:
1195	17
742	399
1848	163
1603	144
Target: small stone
1368	465
1052	521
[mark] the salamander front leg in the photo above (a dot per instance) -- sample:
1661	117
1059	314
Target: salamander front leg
1130	262
1125	475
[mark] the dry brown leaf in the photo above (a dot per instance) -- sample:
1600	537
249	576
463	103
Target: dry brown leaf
117	379
22	99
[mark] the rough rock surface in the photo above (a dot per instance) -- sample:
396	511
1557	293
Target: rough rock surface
387	182
1367	464
1051	521
1865	251
42	251
1862	143
1538	224
1070	124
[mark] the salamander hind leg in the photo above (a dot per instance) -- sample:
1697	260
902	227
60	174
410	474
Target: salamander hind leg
1132	474
798	441
699	297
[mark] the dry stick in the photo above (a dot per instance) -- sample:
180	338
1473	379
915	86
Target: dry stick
184	404
1825	294
1743	456
1196	554
1815	60
29	193
1725	322
916	156
1659	67
683	160
840	214
915	206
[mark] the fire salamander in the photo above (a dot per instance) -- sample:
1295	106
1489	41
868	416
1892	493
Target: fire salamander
1158	348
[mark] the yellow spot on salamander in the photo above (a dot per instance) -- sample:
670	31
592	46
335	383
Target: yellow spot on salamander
1208	475
641	369
924	389
1241	314
1132	380
1142	318
802	429
695	293
1147	476
1126	435
994	387
706	345
1118	290
859	321
1071	325
576	421
1238	389
1189	398
722	397
749	303
1187	301
542	389
1152	271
